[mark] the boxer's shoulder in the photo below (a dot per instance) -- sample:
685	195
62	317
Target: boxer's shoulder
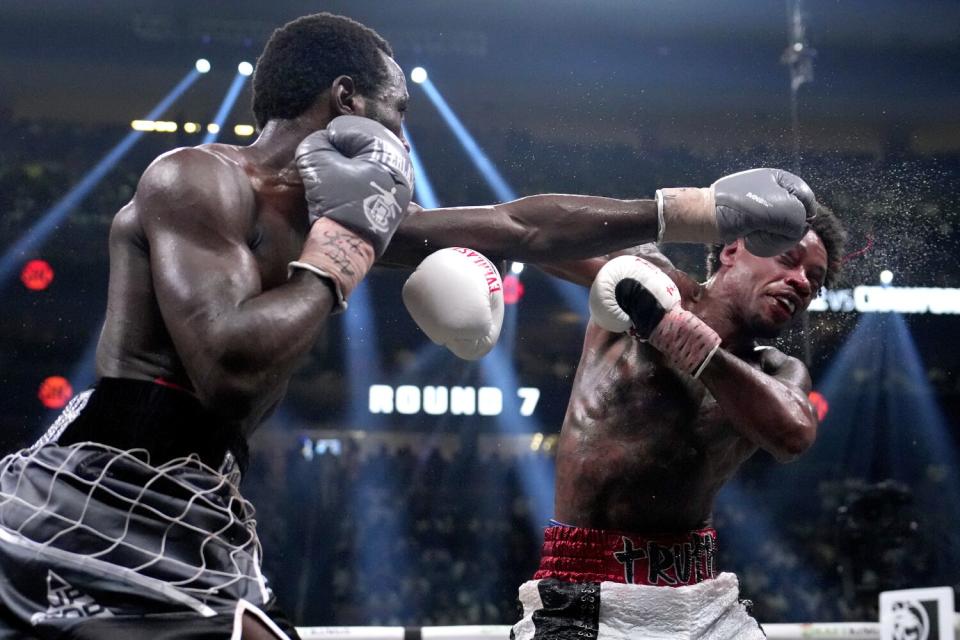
188	169
204	185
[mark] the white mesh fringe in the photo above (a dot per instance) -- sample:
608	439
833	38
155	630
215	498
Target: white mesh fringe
180	528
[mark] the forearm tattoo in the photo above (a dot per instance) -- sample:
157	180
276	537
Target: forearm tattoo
342	248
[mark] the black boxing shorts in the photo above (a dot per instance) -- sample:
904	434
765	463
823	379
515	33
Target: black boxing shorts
106	532
163	419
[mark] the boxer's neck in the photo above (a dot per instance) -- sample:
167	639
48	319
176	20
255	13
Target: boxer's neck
274	148
718	310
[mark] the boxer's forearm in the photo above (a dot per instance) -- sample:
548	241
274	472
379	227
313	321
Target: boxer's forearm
534	229
773	414
241	361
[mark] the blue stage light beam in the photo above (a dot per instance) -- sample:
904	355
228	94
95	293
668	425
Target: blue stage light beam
496	181
846	439
225	107
537	476
921	433
497	369
20	250
920	451
423	189
536	473
363	369
883	423
362	354
883	419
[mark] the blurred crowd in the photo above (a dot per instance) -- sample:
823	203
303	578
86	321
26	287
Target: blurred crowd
402	537
396	537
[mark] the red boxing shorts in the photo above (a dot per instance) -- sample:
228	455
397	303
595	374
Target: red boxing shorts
573	554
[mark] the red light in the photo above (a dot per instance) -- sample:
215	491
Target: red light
55	392
512	289
820	404
37	275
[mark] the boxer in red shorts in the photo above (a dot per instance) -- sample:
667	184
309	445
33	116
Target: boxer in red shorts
671	396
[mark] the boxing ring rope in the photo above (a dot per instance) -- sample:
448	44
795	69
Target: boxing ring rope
781	631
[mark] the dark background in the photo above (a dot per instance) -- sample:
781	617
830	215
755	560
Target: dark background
608	97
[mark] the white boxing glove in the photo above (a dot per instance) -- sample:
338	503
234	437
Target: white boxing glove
632	294
456	297
607	312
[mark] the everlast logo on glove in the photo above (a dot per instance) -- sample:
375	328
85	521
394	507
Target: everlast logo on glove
494	283
400	163
456	297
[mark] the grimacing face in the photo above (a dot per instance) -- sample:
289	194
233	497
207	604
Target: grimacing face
773	291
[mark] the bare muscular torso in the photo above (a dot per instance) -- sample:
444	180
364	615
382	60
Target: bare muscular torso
135	342
643	448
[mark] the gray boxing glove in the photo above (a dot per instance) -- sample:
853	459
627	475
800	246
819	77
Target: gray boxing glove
358	174
769	208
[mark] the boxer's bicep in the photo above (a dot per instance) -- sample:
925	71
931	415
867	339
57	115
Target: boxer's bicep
767	404
793	374
196	223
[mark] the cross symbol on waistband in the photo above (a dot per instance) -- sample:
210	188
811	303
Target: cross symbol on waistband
627	557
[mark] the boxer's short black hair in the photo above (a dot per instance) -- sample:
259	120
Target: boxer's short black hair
831	233
303	57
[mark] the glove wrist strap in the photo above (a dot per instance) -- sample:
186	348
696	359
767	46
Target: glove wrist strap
334	252
687	214
685	340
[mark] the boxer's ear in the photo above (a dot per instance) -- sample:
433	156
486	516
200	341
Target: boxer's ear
344	99
730	252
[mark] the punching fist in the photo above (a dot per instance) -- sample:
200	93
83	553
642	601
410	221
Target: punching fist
630	293
456	297
769	208
358	180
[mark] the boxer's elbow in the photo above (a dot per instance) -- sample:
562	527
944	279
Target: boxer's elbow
524	239
534	226
794	439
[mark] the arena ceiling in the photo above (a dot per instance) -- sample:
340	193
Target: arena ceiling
600	68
